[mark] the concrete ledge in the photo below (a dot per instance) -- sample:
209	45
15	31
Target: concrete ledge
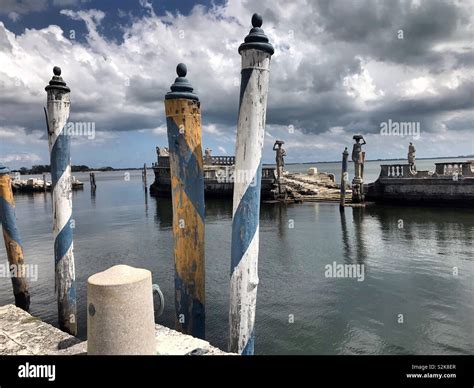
23	334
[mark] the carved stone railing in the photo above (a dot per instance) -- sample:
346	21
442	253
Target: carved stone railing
268	172
396	171
455	168
222	160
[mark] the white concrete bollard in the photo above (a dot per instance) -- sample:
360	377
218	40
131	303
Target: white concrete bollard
312	171
120	316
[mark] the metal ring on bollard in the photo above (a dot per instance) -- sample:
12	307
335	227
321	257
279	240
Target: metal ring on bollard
156	290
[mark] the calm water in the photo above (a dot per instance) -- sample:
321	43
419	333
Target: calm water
407	271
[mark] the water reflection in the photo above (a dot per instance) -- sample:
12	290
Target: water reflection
345	238
283	222
146	202
358	219
164	212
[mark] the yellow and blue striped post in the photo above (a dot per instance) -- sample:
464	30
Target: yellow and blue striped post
256	52
13	244
183	119
344	179
57	114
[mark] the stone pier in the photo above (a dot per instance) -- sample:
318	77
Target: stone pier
24	334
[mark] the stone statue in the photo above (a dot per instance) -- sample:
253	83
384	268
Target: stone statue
207	156
411	154
357	149
358	159
280	154
162	151
280	163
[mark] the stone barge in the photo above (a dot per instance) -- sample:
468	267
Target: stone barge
277	185
451	184
219	173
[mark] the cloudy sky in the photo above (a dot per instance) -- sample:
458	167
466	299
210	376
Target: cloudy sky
340	67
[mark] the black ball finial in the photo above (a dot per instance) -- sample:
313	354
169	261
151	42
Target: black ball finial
257	20
57	83
181	70
256	39
181	88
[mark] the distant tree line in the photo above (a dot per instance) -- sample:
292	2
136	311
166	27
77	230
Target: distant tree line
45	168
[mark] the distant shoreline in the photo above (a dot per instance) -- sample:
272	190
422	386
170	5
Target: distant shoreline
106	169
383	160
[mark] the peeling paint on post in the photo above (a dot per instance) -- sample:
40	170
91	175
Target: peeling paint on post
256	53
57	113
183	119
13	244
344	179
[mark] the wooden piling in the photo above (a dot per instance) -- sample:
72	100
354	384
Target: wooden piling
92	181
256	53
57	114
144	177
344	179
183	118
13	244
362	170
44	182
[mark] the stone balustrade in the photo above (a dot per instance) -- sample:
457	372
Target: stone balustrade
455	168
223	160
395	171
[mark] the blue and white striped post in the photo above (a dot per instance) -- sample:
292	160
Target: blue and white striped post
57	114
13	244
183	121
256	52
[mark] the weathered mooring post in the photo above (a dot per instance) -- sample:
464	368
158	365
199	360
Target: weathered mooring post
92	182
358	159
44	182
183	119
13	244
144	177
57	113
256	52
344	179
